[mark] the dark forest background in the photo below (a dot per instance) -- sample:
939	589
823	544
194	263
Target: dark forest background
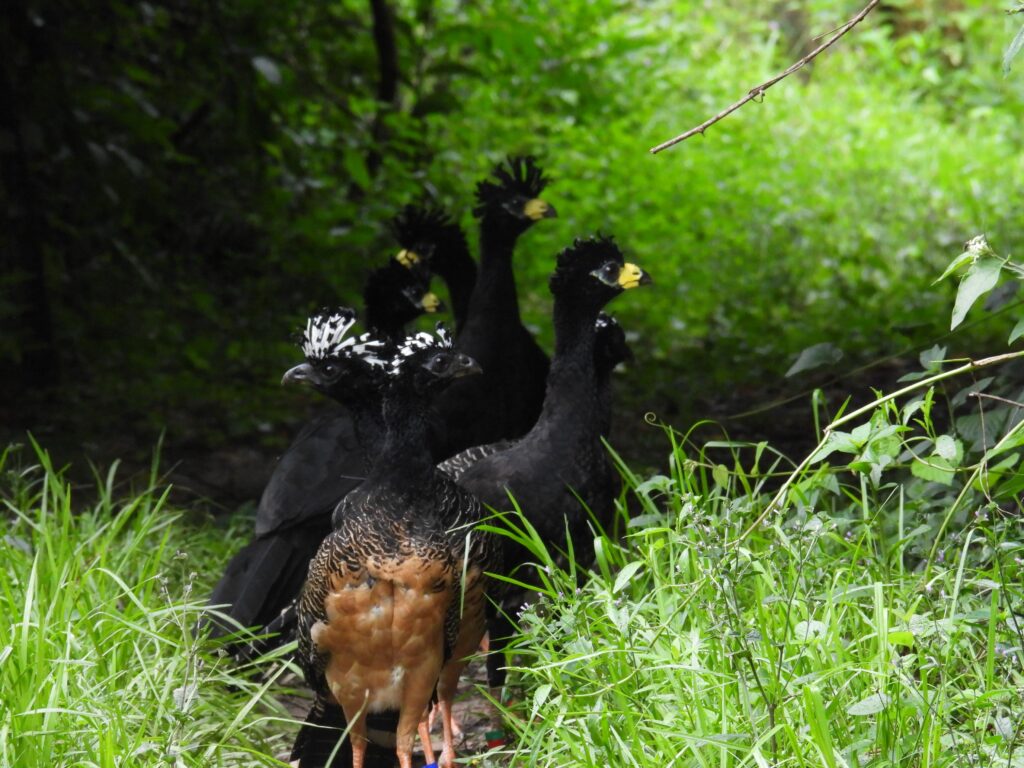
184	181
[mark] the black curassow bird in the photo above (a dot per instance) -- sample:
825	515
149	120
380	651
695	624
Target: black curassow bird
561	464
329	457
395	295
397	594
503	403
610	349
430	237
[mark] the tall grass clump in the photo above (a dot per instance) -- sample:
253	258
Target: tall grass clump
99	661
857	627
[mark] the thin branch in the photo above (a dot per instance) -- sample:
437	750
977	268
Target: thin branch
758	91
998	399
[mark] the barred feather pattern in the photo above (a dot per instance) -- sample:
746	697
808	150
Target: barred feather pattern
419	343
460	462
376	528
324	337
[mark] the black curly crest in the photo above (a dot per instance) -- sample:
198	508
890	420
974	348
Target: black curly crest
584	254
518	175
418	224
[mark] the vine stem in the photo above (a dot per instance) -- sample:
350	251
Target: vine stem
971	365
758	90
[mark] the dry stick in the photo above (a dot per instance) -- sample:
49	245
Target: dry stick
776	503
760	89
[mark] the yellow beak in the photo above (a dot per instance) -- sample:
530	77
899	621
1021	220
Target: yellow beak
407	258
430	302
537	209
632	276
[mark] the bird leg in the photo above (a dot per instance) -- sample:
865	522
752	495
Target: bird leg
410	719
357	735
447	684
434	711
448	751
428	746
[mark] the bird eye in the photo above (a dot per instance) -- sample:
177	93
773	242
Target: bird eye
437	363
329	369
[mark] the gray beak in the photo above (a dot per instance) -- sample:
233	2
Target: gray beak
300	374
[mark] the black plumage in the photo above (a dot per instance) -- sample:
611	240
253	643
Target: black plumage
395	295
429	236
330	457
560	469
503	403
396	594
610	349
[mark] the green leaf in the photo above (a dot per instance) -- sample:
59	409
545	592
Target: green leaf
1009	442
901	637
931	359
1013	49
1017	332
816	356
539	697
954	265
627	573
950	449
935	468
356	167
872	705
981	278
837	441
720	474
861	433
812	629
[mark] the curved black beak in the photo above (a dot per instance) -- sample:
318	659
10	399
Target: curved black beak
300	374
464	365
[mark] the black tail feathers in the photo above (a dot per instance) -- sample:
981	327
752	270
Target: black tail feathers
325	725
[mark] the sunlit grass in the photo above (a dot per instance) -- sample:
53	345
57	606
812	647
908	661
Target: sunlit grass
872	620
99	662
825	638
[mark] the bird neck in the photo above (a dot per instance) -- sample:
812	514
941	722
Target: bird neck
368	422
604	400
572	391
405	455
495	291
456	267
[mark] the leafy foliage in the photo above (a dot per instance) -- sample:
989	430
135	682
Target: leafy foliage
197	179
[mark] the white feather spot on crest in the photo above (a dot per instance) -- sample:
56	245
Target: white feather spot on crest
418	343
325	337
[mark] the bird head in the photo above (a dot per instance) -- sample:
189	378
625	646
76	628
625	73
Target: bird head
425	362
593	271
338	365
427	236
611	347
512	194
395	295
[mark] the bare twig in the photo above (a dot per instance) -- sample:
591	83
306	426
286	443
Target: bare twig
758	91
998	399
